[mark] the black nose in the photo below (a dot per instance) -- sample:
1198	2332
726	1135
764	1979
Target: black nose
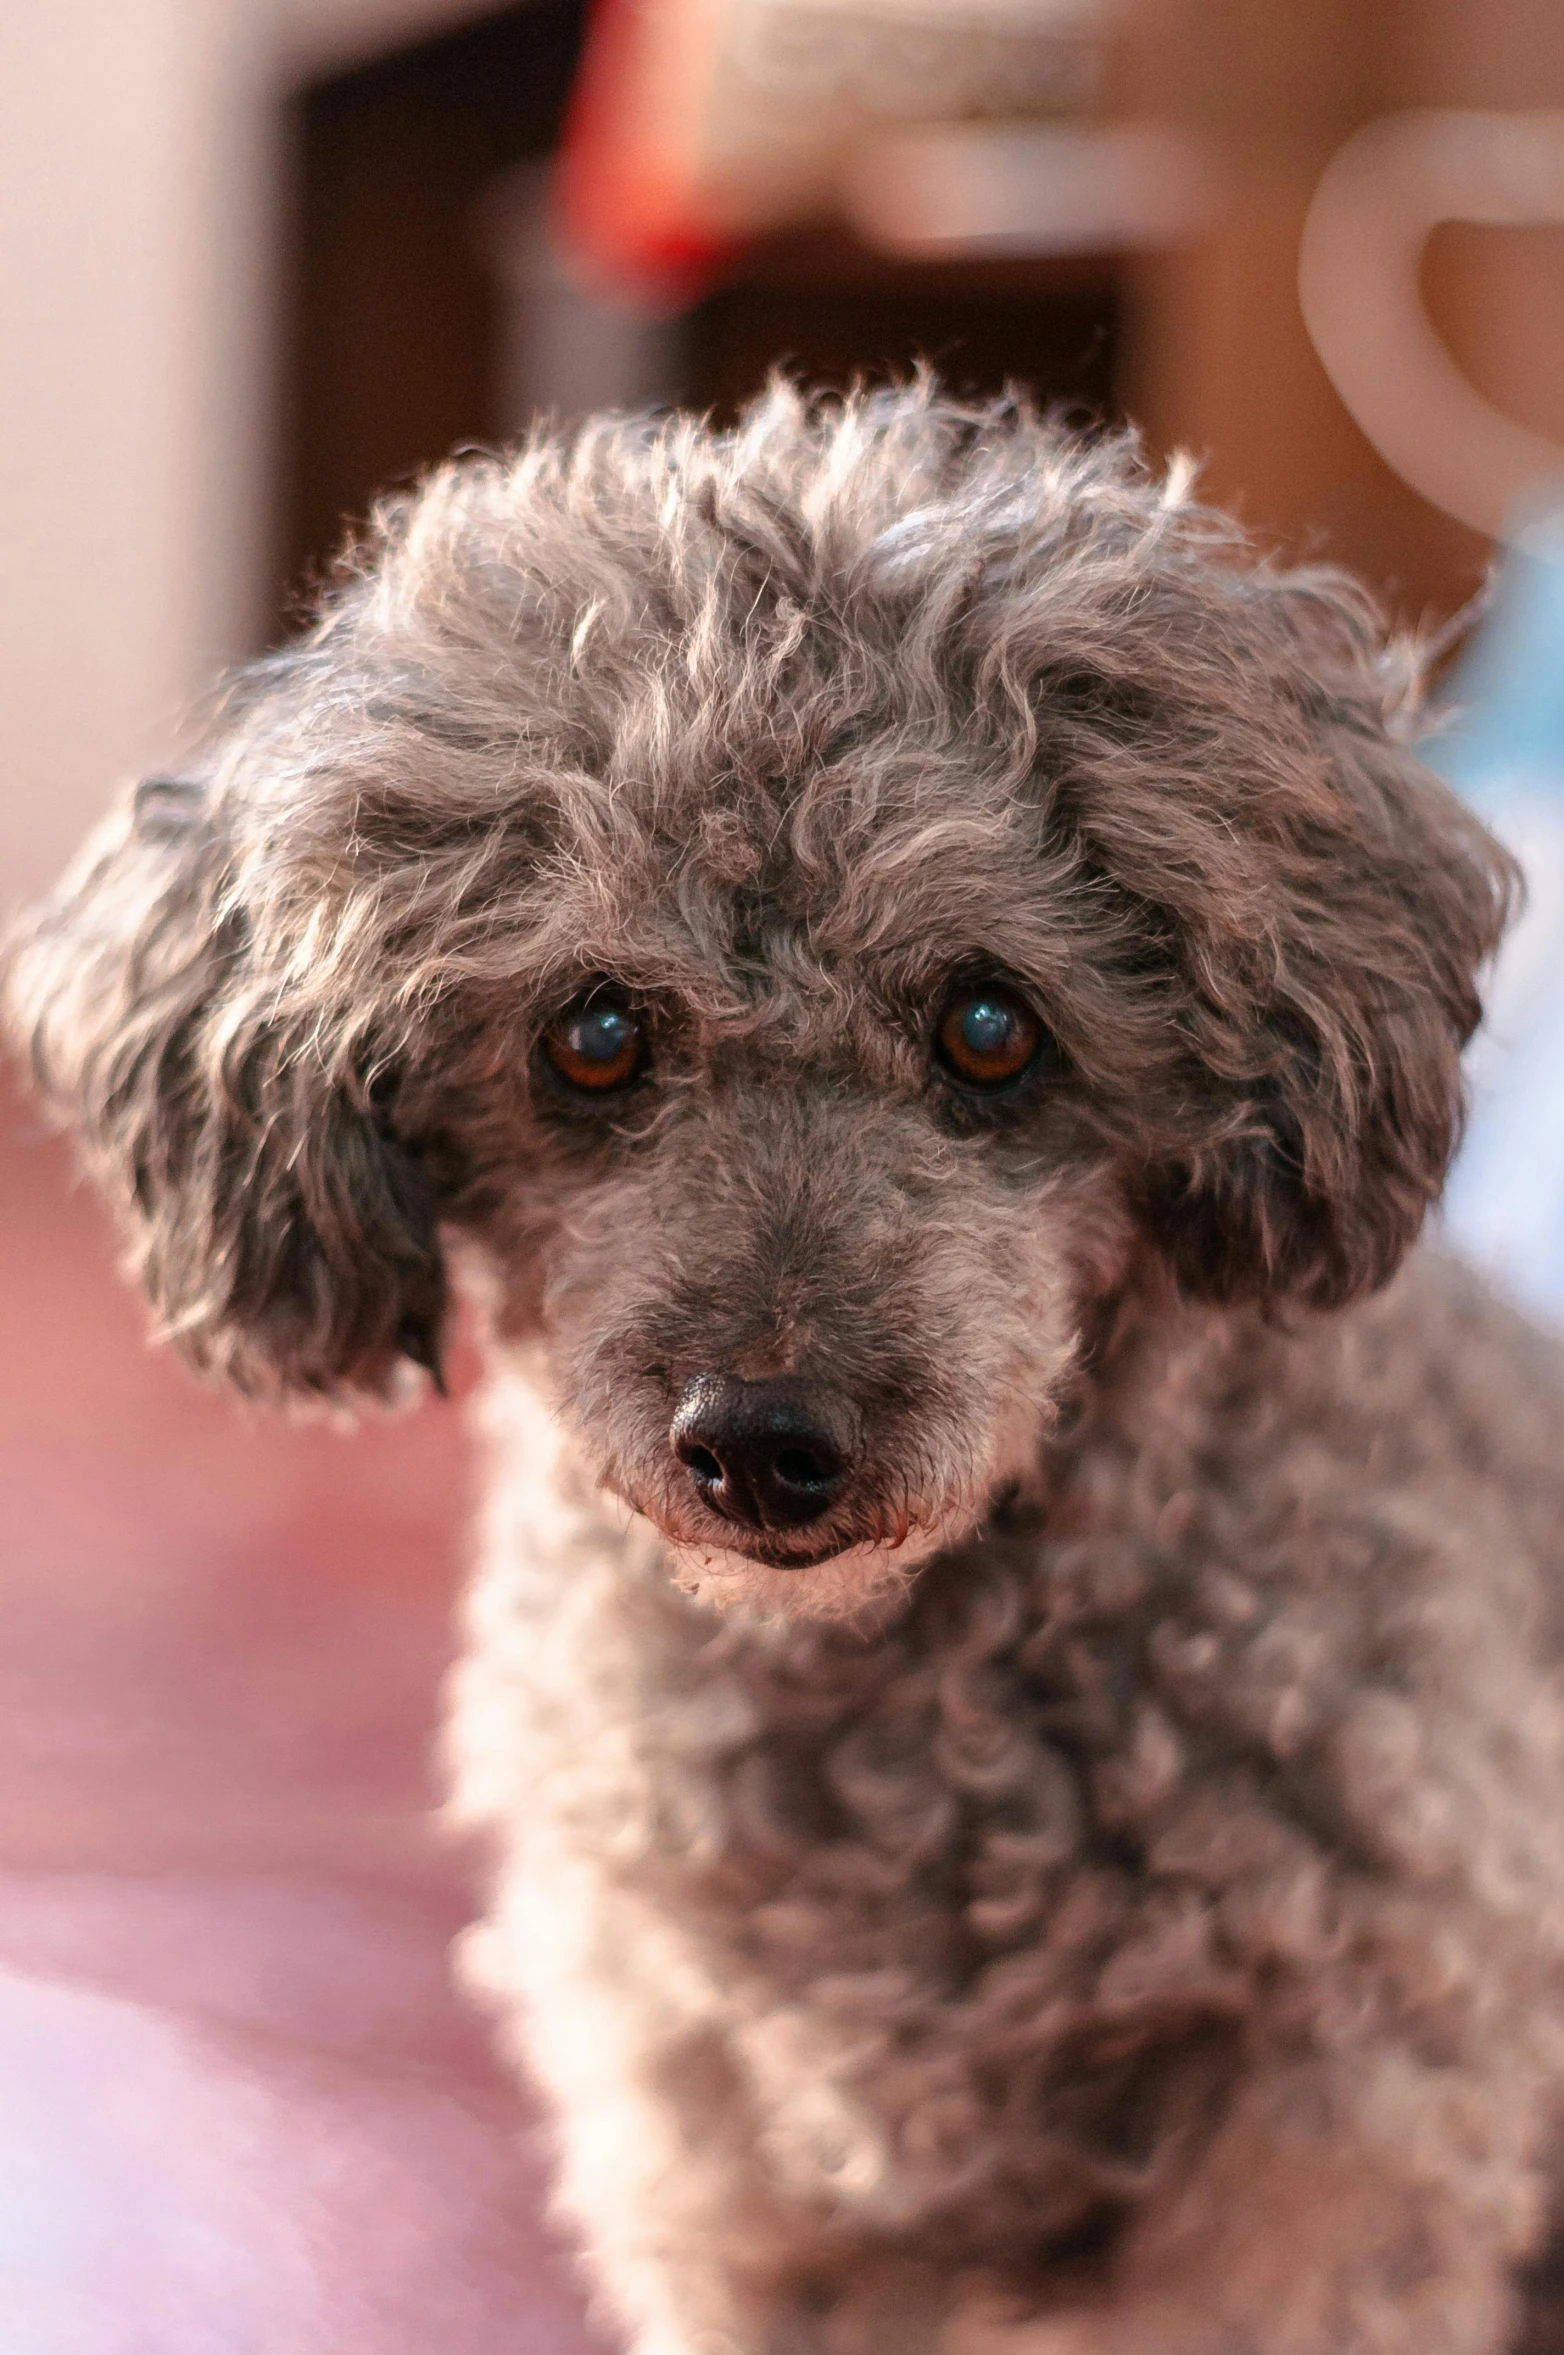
772	1455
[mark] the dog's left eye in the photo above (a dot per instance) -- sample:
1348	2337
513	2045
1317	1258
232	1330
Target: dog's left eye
596	1047
988	1037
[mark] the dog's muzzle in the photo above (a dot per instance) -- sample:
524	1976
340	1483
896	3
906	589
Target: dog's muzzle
769	1455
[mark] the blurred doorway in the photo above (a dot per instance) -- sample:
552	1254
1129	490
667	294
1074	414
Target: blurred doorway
404	321
392	317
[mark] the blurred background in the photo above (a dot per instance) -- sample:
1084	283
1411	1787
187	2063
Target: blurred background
262	258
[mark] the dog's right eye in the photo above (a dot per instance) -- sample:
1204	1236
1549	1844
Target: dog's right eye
596	1047
987	1037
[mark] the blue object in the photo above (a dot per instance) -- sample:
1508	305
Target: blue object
1503	750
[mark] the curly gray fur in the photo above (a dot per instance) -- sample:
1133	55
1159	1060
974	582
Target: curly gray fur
1107	1897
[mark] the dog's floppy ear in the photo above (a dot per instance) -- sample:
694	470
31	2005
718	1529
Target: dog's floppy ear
286	1238
1346	909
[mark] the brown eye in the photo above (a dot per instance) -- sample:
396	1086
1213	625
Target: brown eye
987	1037
596	1047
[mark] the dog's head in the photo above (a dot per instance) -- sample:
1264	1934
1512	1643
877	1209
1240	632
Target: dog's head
818	908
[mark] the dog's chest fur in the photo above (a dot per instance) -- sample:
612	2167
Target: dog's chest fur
965	1923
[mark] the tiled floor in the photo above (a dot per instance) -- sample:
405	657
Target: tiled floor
240	2111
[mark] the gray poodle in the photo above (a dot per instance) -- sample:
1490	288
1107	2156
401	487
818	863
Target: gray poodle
1014	1678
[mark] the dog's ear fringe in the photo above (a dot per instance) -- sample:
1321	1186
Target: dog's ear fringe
286	1240
1340	1141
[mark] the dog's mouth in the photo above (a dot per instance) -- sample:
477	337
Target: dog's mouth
886	1534
883	1532
843	1569
765	1554
873	1544
850	1575
770	1550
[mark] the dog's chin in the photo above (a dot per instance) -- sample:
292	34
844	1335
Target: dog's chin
859	1580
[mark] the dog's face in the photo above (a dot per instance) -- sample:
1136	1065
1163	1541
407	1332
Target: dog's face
803	1198
814	911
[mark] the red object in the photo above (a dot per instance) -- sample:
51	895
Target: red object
628	197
